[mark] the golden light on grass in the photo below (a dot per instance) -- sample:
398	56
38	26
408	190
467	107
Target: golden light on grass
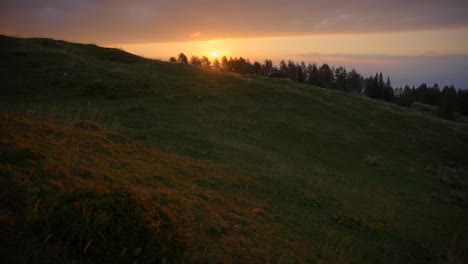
147	177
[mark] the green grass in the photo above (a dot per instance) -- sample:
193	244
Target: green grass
341	178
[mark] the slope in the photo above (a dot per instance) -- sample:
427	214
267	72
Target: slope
96	196
353	179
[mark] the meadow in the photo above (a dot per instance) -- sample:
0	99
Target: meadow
109	157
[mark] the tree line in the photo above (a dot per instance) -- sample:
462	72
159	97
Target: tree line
448	101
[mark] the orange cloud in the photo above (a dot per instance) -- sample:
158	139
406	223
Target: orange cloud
195	34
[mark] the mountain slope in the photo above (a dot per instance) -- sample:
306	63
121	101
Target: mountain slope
63	188
345	178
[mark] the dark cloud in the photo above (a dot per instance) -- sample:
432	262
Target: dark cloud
121	21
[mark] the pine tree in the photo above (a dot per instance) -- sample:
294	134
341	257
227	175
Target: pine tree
372	87
340	79
354	82
388	91
326	76
313	74
449	103
380	87
463	95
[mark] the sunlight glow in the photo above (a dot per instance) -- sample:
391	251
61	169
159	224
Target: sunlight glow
301	47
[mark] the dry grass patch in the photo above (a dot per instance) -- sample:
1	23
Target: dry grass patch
91	198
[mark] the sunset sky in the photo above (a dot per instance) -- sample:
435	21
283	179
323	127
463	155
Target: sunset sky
412	41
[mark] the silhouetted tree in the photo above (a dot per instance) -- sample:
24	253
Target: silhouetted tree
449	103
313	74
283	68
268	68
195	61
216	65
354	81
372	87
172	60
291	70
326	76
388	91
463	95
241	65
449	100
300	75
301	72
435	97
405	97
182	58
205	63
421	93
341	79
248	67
381	87
231	64
224	64
257	68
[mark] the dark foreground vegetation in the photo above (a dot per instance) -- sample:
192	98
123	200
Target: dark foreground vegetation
106	157
449	102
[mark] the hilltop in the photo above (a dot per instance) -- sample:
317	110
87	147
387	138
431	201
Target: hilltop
194	165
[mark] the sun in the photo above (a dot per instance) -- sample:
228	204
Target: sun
215	53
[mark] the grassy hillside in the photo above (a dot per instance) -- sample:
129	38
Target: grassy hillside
258	170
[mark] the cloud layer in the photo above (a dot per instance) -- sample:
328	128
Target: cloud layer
412	70
120	21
